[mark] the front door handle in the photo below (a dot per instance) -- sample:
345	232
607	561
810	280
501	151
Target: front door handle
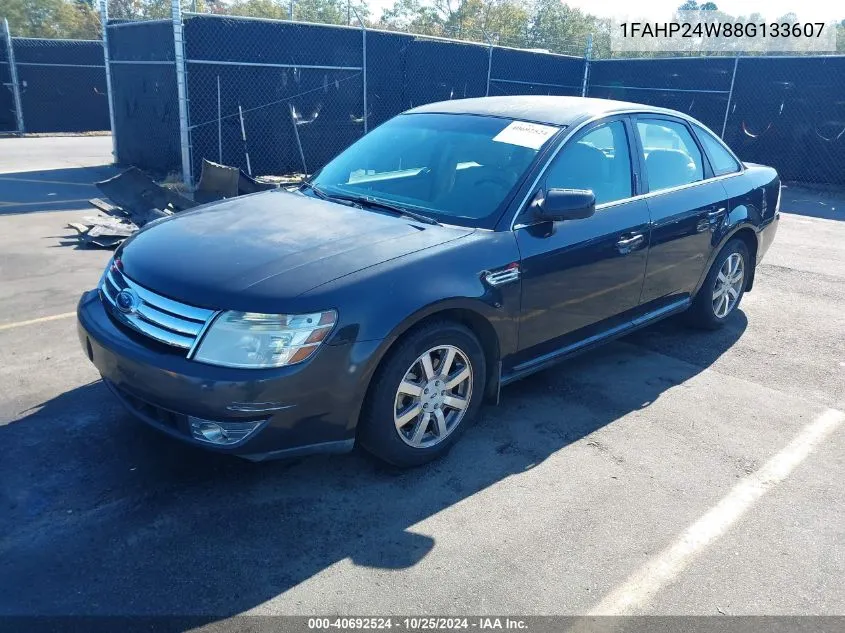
626	244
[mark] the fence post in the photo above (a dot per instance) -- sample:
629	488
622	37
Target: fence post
219	125
363	64
104	21
489	61
588	55
182	92
730	98
13	74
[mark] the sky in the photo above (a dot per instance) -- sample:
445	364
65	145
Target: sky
663	9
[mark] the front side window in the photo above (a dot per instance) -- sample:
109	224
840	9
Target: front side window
456	168
720	158
599	160
672	158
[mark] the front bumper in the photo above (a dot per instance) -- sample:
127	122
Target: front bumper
309	407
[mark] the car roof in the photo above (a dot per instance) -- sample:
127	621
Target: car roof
539	108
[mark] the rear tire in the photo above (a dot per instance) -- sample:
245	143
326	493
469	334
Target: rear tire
723	288
416	408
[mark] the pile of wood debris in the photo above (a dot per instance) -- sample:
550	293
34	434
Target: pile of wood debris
134	200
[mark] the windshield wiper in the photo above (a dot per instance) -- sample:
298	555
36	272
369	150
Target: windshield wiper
317	191
393	208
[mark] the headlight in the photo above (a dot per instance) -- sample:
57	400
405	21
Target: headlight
253	339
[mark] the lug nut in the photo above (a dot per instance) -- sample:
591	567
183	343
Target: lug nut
442	393
425	406
425	391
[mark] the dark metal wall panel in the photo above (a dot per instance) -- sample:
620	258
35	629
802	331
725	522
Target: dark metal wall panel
790	113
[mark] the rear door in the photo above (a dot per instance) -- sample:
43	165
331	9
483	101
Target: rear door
577	274
686	206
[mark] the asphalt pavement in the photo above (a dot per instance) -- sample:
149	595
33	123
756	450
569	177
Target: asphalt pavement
671	472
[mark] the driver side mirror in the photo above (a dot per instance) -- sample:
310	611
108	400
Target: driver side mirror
565	204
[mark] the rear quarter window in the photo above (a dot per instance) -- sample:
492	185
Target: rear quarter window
721	159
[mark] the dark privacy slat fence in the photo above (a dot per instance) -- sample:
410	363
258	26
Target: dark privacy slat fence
146	109
62	86
788	112
301	89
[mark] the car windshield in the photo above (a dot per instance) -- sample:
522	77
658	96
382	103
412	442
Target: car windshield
457	169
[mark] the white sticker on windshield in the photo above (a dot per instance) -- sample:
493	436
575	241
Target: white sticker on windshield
524	134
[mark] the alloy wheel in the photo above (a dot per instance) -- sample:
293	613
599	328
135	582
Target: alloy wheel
728	286
433	396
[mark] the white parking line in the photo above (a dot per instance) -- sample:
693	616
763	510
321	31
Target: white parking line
55	317
641	586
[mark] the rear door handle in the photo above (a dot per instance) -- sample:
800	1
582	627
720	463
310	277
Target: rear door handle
626	244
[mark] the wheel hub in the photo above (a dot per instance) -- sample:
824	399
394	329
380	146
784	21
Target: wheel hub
433	394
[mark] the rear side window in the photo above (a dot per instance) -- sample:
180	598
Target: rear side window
720	158
671	156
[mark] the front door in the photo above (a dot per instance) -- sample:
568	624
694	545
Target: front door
578	274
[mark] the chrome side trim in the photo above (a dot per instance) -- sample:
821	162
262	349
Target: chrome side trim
570	132
502	277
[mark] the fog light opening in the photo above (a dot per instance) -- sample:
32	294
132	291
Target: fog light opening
212	432
221	433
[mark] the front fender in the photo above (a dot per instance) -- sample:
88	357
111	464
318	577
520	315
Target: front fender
383	302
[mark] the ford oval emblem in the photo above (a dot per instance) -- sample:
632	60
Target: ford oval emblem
126	301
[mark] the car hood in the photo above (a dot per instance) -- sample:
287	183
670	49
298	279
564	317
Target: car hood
253	252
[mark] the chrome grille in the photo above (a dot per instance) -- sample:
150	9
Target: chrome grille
160	318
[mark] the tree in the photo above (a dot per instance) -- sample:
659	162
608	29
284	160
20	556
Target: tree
52	19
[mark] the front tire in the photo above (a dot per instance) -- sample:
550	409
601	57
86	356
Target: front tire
723	288
424	394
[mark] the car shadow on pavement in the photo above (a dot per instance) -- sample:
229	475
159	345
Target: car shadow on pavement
100	515
51	189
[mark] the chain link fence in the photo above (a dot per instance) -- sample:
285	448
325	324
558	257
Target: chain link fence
276	97
52	85
785	111
284	108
